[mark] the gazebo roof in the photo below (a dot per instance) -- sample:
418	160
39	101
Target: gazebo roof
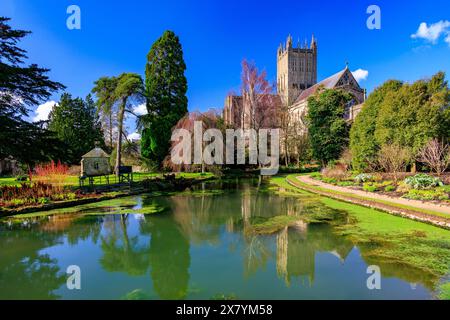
96	153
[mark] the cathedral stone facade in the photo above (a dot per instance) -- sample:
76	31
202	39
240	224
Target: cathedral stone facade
296	82
296	69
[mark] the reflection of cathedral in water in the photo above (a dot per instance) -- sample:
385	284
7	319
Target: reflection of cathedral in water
296	245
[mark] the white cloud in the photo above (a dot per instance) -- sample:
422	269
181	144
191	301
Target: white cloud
140	109
433	31
43	111
134	136
447	39
360	74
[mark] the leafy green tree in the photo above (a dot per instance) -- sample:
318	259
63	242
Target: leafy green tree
77	124
119	91
404	114
166	87
104	90
129	86
327	128
22	87
362	141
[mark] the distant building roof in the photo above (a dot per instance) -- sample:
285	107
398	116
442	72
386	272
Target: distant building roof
96	153
328	83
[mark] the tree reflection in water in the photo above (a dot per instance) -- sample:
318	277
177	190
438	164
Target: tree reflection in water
157	247
26	272
120	252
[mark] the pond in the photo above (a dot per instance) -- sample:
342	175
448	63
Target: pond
214	242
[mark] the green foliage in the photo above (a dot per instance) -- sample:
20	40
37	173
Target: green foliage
33	193
403	114
370	187
104	89
444	291
316	175
21	87
327	128
362	142
426	195
329	180
75	122
273	224
166	88
423	181
118	91
389	188
345	183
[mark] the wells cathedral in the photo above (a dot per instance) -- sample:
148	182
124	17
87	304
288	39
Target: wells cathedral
296	82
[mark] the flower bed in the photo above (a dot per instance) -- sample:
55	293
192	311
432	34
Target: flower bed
417	187
33	194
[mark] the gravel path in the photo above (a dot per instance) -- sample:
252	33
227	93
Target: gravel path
376	196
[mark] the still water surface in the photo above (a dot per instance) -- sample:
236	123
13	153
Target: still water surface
200	247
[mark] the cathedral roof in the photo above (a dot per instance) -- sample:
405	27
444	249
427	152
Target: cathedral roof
328	83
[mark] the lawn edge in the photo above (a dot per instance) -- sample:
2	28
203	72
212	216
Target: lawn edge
394	209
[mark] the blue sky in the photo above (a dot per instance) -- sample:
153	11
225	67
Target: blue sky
116	36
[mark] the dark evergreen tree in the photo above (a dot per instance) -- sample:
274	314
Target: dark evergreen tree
75	122
21	87
166	87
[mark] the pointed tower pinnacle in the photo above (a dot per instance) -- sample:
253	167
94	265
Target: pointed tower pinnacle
289	42
313	42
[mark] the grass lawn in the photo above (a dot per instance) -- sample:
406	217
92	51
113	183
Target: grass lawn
9	181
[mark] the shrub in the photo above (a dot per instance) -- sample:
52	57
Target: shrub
21	178
389	188
363	177
370	187
426	195
51	173
346	158
330	180
33	193
393	158
423	181
316	175
345	183
436	155
445	188
337	172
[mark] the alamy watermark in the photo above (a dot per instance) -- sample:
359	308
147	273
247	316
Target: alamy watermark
374	280
74	279
73	21
374	20
208	147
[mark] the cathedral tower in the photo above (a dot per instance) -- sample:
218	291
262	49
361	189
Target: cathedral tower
296	69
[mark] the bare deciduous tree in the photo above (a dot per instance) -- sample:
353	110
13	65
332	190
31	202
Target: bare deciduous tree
393	158
209	119
260	105
346	158
436	155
